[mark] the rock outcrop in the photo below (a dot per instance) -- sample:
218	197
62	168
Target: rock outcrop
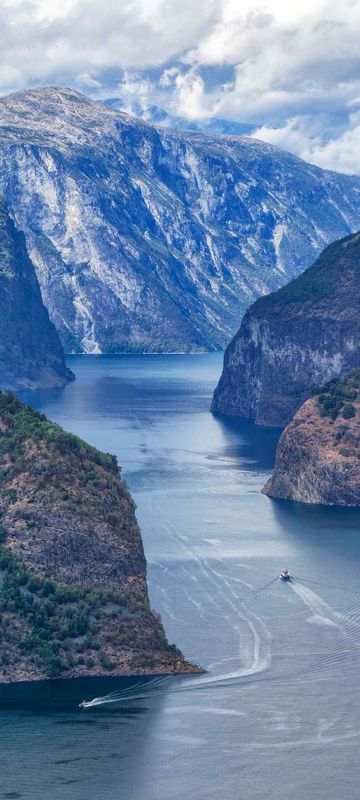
150	239
318	455
73	592
31	354
294	339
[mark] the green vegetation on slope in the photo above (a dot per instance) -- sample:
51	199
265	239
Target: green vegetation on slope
21	422
53	620
73	596
337	395
325	284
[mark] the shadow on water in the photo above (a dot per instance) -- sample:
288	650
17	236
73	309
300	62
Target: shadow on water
306	517
66	695
319	530
48	743
246	442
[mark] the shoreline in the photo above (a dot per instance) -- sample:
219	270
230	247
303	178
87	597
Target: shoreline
100	676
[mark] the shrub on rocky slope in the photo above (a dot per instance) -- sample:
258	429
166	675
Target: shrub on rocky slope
73	593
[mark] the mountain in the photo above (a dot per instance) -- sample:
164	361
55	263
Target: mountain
145	238
73	593
158	116
318	455
30	351
294	339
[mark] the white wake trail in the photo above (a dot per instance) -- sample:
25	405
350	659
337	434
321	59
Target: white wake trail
322	611
324	614
136	692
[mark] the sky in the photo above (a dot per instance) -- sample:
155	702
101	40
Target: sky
292	69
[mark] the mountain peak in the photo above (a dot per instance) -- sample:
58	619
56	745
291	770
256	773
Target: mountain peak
53	110
145	238
48	95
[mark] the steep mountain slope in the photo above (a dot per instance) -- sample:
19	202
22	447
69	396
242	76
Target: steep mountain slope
150	239
294	339
318	455
30	351
73	594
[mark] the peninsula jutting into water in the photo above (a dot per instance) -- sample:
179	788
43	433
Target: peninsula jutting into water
275	653
73	596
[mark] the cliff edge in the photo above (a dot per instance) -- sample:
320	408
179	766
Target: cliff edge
294	339
318	455
147	239
31	354
73	591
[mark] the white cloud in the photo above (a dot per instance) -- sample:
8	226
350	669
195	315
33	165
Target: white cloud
135	91
341	154
292	67
86	81
46	37
189	98
304	138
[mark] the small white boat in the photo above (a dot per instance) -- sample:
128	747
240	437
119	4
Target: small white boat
285	575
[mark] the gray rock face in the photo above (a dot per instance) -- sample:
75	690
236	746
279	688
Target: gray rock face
145	238
317	459
294	339
30	351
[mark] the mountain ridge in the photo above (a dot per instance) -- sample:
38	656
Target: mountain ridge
155	115
147	239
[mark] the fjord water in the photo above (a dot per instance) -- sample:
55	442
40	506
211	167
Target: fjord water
278	711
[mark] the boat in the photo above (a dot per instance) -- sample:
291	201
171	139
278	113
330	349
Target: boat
285	575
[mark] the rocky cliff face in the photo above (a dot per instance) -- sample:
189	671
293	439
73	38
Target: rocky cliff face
73	593
30	351
145	238
293	339
318	455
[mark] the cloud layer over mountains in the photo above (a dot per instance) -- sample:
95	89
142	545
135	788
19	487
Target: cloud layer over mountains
291	69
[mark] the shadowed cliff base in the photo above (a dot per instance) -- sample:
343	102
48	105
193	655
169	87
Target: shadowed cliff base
31	355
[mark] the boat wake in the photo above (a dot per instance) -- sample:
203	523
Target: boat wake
254	654
135	692
322	612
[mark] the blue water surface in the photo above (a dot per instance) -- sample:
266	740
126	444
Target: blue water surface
278	711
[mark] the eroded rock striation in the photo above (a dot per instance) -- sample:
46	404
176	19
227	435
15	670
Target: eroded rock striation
151	239
318	455
31	354
294	339
73	591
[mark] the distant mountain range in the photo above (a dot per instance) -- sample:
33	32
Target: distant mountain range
155	115
151	239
